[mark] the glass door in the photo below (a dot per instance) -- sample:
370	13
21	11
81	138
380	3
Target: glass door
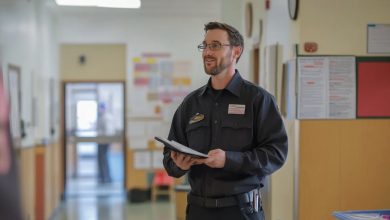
94	122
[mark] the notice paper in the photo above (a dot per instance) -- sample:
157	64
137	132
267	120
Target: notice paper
327	87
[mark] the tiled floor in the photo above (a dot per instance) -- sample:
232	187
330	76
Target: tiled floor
86	199
113	208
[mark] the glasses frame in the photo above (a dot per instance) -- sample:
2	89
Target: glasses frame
217	46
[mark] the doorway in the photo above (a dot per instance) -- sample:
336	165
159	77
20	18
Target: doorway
94	139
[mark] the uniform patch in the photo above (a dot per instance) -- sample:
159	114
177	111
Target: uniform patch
196	118
236	109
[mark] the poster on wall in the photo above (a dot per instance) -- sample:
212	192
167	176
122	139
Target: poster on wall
159	84
142	160
158	157
373	90
378	38
326	87
159	81
15	99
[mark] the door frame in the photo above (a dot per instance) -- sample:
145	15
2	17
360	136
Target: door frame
63	138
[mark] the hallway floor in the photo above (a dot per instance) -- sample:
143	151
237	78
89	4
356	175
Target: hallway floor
87	199
113	208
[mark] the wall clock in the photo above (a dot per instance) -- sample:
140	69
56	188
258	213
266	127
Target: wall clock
293	8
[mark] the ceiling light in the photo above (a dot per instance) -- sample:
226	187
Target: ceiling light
101	3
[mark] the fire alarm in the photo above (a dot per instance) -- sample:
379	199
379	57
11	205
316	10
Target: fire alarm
311	47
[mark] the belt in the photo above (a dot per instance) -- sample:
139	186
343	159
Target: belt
227	201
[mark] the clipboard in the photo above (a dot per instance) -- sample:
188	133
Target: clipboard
175	146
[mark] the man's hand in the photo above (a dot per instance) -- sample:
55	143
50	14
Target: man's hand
216	159
183	161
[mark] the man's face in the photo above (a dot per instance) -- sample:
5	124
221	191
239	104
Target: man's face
216	61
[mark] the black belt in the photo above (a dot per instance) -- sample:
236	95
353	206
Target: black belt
220	202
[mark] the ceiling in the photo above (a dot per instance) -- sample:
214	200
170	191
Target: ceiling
150	8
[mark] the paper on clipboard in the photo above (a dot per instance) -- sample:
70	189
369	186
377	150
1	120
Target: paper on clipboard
175	146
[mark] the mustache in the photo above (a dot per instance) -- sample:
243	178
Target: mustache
208	57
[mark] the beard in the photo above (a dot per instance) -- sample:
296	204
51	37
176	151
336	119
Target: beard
219	67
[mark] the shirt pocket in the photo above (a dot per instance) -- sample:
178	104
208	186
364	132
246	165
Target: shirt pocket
237	134
198	136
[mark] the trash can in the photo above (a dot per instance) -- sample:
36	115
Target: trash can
363	215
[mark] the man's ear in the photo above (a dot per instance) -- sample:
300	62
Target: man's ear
237	52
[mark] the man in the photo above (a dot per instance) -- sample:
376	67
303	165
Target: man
237	124
103	148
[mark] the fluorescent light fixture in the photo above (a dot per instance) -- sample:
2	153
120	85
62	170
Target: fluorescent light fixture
101	3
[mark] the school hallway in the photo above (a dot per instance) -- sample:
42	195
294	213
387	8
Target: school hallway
85	90
87	198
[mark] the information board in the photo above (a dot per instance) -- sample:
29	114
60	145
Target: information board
373	90
326	87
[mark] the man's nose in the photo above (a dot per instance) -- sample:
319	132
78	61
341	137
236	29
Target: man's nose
207	51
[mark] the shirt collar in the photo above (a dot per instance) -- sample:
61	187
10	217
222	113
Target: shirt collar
233	86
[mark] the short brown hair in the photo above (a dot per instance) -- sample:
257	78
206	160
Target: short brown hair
235	38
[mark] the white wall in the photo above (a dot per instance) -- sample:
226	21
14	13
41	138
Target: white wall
279	28
26	40
144	31
31	31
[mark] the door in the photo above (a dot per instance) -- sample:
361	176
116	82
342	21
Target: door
94	123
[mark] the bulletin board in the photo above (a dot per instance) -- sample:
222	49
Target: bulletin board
326	87
373	87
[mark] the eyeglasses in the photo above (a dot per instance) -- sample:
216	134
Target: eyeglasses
214	46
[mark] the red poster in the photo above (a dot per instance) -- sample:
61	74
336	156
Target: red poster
373	90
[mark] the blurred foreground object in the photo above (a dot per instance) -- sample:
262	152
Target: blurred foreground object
9	185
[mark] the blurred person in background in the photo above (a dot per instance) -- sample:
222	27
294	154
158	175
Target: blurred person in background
103	129
9	185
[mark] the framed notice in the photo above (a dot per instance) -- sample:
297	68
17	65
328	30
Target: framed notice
373	90
326	87
378	38
15	97
288	106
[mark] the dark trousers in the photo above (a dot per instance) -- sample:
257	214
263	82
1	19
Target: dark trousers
104	172
195	212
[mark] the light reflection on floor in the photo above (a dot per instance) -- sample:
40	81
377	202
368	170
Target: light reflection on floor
86	199
113	207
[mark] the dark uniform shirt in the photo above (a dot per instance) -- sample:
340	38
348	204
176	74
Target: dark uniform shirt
243	120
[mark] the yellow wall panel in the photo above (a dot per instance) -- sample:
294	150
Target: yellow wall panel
343	166
27	181
365	179
340	27
318	169
103	62
135	178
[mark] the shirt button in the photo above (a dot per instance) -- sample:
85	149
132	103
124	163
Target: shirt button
216	104
215	121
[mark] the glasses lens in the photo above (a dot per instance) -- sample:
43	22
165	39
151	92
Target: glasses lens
215	46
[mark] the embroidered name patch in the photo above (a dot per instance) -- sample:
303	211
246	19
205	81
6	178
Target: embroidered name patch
235	109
